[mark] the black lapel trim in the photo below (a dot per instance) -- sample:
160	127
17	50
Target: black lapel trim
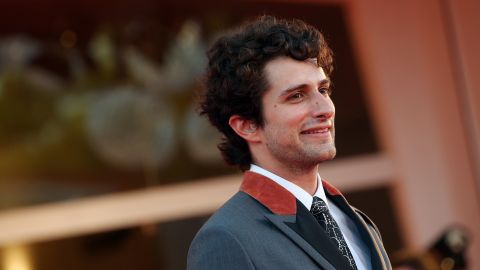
375	258
281	222
309	229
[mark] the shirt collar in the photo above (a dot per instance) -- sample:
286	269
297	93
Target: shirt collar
304	197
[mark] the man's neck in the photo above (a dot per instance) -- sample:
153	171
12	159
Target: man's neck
305	178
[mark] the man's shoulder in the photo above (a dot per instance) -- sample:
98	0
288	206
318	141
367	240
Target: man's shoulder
225	236
235	220
236	211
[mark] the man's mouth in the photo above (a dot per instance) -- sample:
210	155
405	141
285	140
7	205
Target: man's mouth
319	130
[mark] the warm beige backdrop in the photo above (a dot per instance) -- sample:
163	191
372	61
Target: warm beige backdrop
420	65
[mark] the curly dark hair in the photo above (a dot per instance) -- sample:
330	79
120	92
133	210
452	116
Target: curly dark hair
235	79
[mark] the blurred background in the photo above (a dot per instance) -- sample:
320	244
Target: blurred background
104	163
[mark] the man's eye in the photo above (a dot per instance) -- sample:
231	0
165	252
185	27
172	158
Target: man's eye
325	91
295	96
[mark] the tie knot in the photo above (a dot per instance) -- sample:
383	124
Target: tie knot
318	206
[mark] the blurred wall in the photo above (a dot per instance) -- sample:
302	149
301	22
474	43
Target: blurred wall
418	63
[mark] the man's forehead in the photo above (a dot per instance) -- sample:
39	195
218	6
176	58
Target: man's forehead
288	69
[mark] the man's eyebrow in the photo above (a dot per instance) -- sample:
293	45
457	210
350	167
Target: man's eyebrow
303	85
325	81
292	88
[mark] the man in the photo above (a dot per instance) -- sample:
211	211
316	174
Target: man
268	92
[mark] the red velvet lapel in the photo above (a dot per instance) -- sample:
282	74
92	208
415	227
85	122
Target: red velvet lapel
273	196
331	189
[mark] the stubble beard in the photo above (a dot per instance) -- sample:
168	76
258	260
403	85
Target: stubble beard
302	156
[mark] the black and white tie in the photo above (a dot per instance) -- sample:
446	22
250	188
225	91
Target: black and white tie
322	215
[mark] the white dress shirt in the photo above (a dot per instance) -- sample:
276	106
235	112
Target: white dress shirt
359	250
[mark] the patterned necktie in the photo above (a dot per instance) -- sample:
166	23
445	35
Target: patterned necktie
322	215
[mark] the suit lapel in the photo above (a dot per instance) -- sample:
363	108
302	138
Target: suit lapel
380	261
294	220
309	229
377	257
282	223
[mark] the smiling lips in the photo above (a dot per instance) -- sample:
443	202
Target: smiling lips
319	130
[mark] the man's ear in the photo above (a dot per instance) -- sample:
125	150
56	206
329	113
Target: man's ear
247	129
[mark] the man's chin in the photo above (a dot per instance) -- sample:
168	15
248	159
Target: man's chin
328	154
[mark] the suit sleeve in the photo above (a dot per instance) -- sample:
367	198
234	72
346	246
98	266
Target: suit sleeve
217	249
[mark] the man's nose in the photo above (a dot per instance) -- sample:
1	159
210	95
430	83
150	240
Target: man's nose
323	107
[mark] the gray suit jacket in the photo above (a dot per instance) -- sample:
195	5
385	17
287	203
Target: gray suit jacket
263	226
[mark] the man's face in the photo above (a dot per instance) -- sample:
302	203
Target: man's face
298	114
